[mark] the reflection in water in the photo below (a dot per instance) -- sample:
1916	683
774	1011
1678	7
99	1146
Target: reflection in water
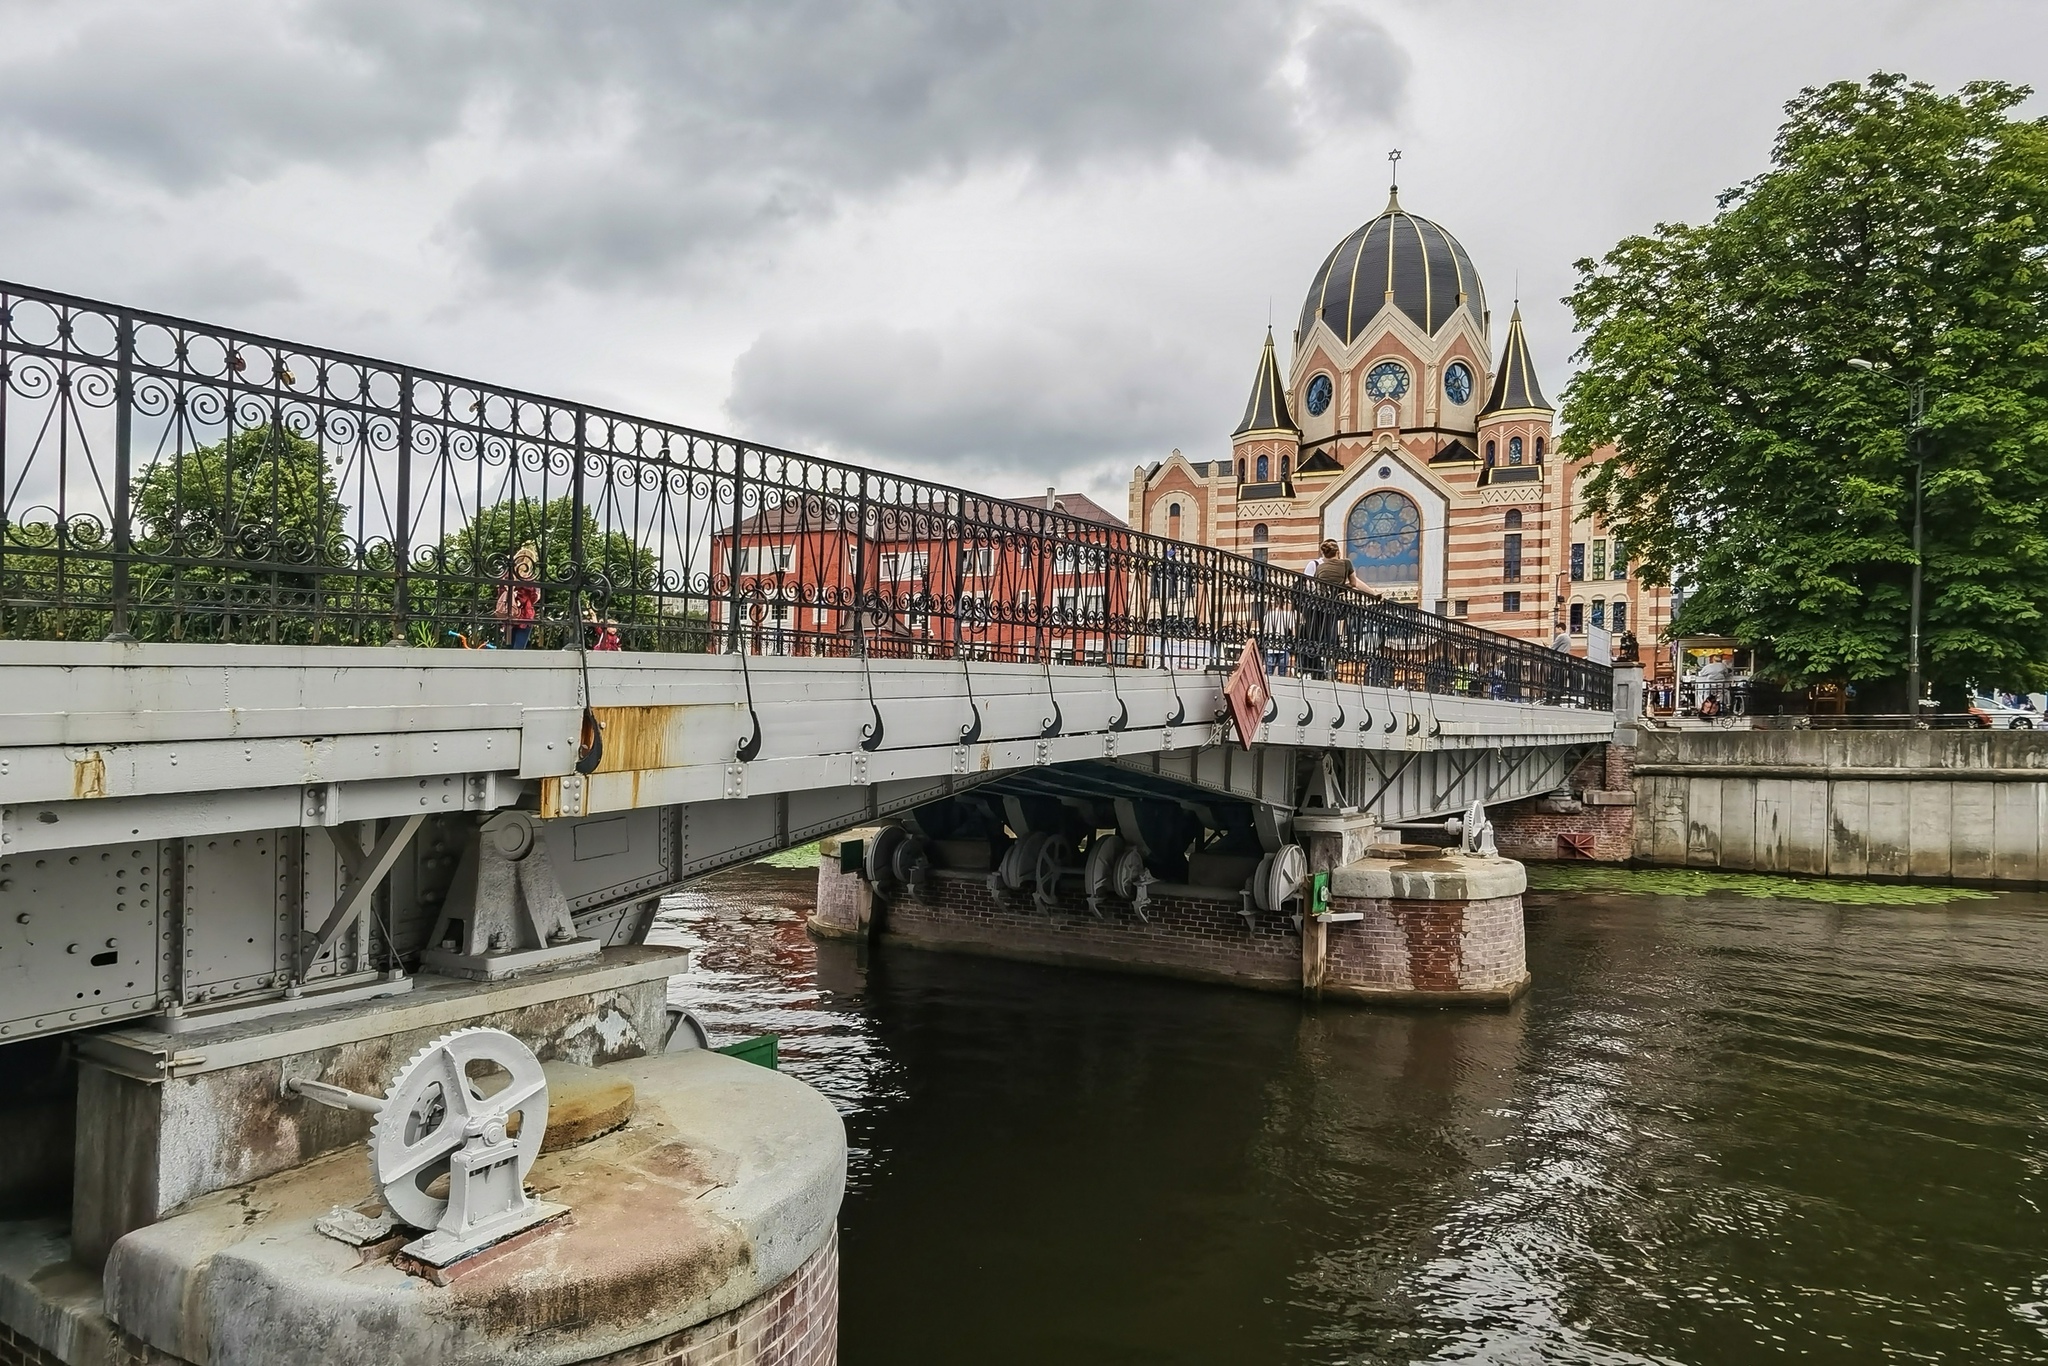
1718	1130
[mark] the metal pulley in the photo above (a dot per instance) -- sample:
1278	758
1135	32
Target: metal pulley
436	1122
1280	877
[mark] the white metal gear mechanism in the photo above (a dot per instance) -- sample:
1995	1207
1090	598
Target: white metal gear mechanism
469	1109
436	1107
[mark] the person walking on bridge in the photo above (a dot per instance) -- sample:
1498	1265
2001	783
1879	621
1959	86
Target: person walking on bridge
1331	572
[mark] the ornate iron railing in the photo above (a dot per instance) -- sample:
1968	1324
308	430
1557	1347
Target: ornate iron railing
162	479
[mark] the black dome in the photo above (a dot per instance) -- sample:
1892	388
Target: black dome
1396	259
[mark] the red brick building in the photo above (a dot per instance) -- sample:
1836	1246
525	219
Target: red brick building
939	580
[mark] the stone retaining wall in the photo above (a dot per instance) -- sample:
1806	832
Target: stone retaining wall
1938	804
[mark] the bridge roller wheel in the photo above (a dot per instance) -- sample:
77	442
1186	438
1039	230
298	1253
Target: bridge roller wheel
896	858
1098	874
1129	873
1280	877
1020	861
1053	858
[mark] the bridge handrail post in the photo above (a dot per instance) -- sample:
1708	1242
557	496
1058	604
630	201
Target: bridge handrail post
401	522
119	588
576	549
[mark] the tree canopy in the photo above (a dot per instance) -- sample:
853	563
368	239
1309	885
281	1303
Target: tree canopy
1896	224
469	564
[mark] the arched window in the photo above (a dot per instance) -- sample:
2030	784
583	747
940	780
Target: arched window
1514	450
1600	612
1578	619
1265	470
1240	471
1514	519
1383	537
1539	450
1173	520
1286	468
1489	455
1259	540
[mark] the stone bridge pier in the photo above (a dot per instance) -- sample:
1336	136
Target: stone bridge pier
1351	912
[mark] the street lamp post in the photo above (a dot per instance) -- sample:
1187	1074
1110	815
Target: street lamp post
1917	432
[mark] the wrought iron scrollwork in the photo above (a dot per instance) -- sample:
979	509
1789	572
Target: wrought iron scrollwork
192	482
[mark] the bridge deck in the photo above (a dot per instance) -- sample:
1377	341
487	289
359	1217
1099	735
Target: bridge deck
146	741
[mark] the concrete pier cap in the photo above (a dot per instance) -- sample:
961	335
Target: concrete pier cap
720	1191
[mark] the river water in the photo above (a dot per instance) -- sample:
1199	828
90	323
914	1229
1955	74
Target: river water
1718	1129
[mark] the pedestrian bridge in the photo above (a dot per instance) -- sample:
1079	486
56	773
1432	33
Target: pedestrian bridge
248	764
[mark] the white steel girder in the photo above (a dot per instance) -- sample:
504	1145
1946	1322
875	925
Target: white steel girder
112	742
216	827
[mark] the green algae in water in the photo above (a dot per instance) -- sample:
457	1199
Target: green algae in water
803	856
1569	877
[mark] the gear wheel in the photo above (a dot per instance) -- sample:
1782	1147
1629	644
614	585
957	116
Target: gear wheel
435	1104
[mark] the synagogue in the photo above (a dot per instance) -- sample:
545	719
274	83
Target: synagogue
1397	430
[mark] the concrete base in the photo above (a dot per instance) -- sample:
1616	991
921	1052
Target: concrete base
701	1231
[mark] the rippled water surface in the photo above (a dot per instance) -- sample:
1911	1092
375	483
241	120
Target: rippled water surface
1717	1130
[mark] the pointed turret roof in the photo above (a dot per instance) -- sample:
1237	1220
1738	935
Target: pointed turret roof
1267	410
1514	383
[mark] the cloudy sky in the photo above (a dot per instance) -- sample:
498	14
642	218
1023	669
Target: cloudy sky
1008	243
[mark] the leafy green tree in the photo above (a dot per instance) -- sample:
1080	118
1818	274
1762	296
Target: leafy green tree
459	591
245	539
1896	224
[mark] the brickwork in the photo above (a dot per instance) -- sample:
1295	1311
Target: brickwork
1400	950
1425	950
1603	833
1184	937
796	1324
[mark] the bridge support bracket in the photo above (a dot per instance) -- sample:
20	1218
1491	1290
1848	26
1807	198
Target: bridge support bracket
505	913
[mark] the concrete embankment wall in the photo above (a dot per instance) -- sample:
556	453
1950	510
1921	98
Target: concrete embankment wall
1964	805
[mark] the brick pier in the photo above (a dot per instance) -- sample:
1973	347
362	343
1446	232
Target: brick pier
1445	930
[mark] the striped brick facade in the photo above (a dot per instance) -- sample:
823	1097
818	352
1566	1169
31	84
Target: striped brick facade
1464	464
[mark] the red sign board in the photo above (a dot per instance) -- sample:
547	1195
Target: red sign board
1245	690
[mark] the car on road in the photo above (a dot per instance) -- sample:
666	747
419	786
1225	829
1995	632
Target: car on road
1997	715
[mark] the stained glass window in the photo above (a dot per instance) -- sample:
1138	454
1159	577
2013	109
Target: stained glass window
1383	537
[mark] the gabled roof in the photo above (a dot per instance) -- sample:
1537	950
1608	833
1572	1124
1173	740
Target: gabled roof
1267	409
1514	383
1077	505
1456	453
1322	462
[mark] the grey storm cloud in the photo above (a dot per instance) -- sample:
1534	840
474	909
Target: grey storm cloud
618	139
973	401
